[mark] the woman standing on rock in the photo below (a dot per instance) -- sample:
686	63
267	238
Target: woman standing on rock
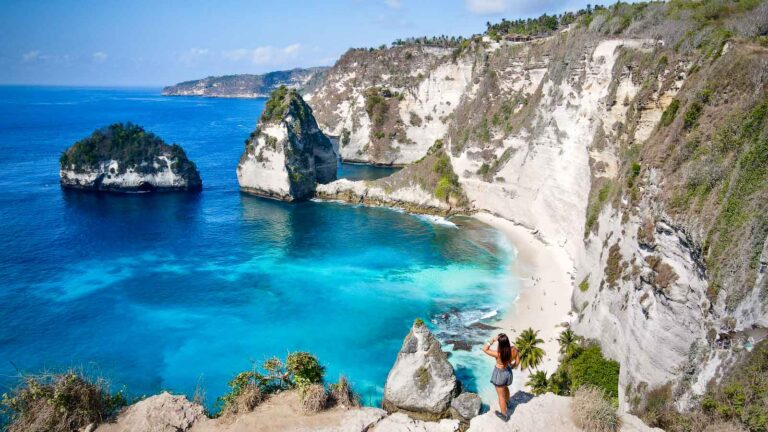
507	358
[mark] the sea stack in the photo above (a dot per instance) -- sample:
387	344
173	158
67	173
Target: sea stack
123	157
287	154
423	385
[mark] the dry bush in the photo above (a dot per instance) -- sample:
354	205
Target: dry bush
342	394
247	399
314	398
592	412
722	426
58	403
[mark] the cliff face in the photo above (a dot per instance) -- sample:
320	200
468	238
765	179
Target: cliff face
388	106
634	139
125	158
287	154
246	85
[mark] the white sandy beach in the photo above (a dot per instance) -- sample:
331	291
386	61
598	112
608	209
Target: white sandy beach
544	276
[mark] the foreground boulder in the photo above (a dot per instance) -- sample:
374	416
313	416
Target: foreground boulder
161	413
422	383
126	158
287	154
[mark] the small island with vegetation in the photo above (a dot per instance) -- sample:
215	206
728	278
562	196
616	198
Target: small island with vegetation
287	155
123	157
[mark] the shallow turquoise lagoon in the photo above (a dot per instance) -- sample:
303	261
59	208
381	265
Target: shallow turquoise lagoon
175	291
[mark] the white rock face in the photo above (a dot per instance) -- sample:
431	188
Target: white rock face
422	382
287	156
356	420
400	422
108	177
548	412
161	413
435	87
263	171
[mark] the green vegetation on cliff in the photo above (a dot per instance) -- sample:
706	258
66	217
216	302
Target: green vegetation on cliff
736	403
582	365
282	101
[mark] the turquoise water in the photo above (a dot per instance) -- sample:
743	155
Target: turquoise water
171	291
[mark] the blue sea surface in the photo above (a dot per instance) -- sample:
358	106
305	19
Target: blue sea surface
172	291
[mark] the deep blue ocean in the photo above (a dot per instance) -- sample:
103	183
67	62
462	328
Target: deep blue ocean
172	291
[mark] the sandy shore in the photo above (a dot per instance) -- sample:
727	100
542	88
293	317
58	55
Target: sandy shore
543	274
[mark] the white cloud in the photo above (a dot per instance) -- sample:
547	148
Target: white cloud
36	56
193	55
394	4
99	56
487	7
30	56
291	49
262	55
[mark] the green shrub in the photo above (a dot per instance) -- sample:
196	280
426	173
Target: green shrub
743	395
591	368
538	383
692	114
584	285
304	369
448	183
58	403
584	364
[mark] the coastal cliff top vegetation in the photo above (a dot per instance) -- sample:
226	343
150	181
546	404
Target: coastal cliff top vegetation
58	403
128	144
283	101
72	400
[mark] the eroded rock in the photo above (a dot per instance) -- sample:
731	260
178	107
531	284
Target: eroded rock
162	413
422	383
287	155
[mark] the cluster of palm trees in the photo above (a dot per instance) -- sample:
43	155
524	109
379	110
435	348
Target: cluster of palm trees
538	381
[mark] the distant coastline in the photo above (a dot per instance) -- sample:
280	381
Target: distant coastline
248	86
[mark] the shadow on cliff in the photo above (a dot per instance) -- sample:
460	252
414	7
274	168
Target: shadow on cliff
518	399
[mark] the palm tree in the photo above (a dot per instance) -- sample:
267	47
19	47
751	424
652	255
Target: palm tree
538	383
568	342
531	354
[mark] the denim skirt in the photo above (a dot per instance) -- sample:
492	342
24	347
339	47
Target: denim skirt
501	377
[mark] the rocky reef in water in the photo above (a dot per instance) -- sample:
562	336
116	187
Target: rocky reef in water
248	85
123	157
287	154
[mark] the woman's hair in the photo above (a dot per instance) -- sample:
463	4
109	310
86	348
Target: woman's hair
505	350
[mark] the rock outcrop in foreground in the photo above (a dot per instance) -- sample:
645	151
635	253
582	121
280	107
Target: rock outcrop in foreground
161	413
422	383
287	154
126	158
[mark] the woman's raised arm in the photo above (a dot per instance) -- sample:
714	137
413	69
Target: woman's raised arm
487	348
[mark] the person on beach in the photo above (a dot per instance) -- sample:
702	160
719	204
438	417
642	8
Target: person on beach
507	358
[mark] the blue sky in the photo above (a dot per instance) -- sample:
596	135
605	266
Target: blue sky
159	42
